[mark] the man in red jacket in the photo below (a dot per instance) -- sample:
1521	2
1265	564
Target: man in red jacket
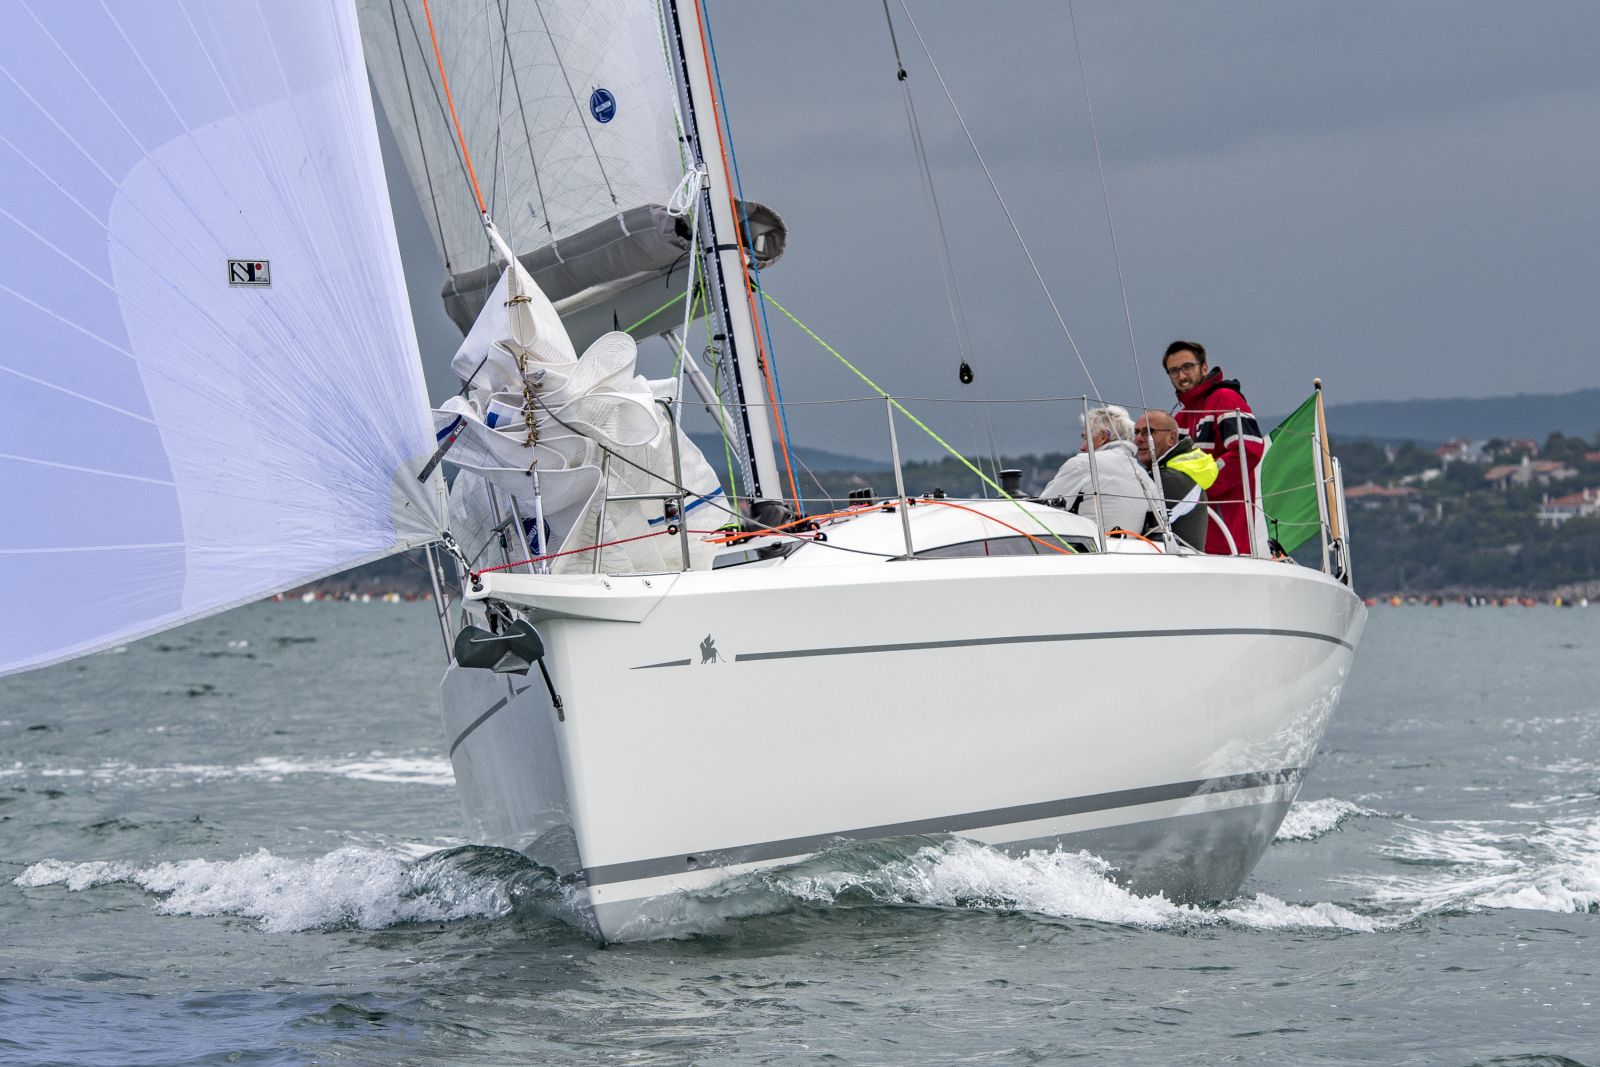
1217	416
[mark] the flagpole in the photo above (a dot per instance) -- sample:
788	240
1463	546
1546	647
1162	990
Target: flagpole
1325	465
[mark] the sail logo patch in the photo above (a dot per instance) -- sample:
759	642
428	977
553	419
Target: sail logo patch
250	272
602	105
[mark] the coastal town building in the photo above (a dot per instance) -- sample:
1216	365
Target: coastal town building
1461	450
1583	504
1529	472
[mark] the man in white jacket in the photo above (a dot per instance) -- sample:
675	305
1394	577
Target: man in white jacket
1126	491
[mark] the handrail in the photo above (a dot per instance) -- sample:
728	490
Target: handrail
677	497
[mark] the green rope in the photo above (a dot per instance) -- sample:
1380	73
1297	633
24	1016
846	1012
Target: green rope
875	387
653	314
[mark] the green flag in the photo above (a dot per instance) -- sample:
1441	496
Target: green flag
1288	479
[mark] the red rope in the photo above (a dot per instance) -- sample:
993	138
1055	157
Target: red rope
569	552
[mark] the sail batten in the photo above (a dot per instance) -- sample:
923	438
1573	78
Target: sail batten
213	391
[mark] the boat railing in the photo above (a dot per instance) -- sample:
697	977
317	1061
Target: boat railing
1324	480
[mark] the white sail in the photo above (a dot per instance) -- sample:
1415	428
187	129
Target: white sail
539	422
568	110
210	376
560	138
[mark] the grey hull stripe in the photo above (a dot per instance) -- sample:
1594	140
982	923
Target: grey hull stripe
631	870
481	719
1024	639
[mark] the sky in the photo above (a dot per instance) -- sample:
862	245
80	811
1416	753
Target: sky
1400	198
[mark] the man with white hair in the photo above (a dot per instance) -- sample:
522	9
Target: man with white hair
1126	491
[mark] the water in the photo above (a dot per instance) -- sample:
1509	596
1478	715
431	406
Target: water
237	842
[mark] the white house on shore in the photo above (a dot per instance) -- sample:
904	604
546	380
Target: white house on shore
1583	504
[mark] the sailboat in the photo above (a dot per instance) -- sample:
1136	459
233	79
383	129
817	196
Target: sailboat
658	678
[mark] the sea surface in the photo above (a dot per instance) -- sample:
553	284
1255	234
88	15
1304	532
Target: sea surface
238	842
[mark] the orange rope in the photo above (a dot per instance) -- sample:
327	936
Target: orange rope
881	506
744	263
1141	537
1002	522
449	99
858	510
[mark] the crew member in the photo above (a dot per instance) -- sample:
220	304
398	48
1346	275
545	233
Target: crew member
1126	491
1186	472
1216	415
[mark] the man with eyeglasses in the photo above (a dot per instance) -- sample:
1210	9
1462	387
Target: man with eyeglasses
1186	473
1217	416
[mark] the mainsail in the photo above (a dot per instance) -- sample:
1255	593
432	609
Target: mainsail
568	112
211	383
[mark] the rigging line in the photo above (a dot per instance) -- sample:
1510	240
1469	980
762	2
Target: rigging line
752	273
931	196
438	102
562	66
1105	196
1116	254
958	319
744	215
719	370
422	147
445	82
497	167
522	114
689	297
708	501
816	481
836	354
1016	232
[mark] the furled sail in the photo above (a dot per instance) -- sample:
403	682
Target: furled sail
210	376
568	109
535	423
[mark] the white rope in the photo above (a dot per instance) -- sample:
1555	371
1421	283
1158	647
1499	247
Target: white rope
691	181
686	197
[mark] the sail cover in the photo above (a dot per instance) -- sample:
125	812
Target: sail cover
209	372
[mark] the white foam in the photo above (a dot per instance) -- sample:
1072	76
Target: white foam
377	767
373	767
1075	885
363	887
1553	866
1310	819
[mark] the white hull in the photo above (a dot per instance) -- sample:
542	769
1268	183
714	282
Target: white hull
1158	710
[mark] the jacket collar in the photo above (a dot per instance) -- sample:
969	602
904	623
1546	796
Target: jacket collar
1184	445
1191	397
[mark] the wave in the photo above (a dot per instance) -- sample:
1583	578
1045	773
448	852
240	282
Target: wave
1310	819
958	873
357	887
373	767
370	888
1447	867
1552	866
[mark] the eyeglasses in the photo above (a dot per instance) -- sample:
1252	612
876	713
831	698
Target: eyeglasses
1182	368
1143	432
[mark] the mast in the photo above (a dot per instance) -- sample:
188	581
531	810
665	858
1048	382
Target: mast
731	290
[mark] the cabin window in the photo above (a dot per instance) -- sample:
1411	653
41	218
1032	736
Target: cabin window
1002	546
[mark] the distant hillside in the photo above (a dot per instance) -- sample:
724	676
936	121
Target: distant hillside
1531	415
818	459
